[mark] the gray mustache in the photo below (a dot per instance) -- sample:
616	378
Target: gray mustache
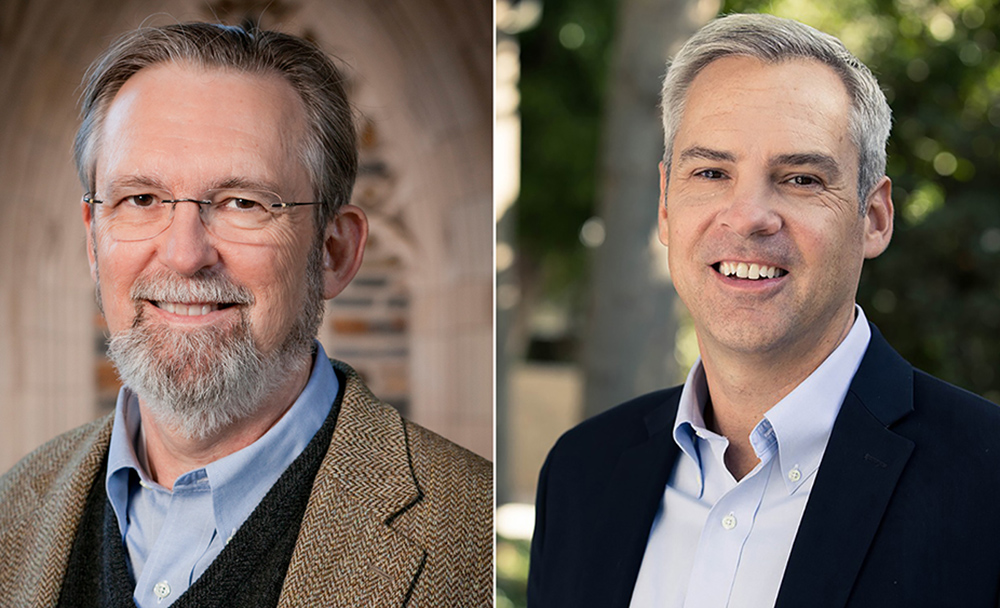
201	287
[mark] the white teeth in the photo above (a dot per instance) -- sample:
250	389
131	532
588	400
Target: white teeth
751	271
187	310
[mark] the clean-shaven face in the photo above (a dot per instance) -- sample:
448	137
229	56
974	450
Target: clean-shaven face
762	218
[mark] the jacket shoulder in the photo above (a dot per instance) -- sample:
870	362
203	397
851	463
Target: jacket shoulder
45	470
962	421
453	519
436	495
41	500
440	464
602	437
931	390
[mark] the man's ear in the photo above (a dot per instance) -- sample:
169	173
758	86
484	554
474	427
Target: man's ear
343	249
878	219
661	213
88	222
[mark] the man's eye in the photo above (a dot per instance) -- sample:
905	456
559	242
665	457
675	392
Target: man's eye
804	180
242	204
139	200
710	174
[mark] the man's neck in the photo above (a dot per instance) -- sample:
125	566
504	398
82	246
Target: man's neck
743	388
170	454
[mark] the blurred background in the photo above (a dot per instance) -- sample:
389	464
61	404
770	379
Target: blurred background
586	315
417	322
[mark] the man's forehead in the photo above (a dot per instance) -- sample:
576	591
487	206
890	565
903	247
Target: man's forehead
177	109
801	102
226	88
748	72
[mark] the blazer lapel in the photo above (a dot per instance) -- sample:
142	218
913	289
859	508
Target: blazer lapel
859	471
348	553
626	511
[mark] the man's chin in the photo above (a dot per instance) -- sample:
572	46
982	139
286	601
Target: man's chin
196	380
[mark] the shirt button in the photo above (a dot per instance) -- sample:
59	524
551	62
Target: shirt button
161	589
794	475
729	522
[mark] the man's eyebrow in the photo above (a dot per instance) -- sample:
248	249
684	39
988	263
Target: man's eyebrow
702	153
135	181
230	183
824	162
243	183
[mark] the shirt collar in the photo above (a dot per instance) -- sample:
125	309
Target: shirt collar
122	458
240	480
690	417
799	425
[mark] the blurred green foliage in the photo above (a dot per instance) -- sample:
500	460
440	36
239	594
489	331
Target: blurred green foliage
564	62
512	572
935	293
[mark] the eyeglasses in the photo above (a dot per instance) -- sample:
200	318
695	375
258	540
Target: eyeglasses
239	216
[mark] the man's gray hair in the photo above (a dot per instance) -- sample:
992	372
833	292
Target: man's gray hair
773	40
329	151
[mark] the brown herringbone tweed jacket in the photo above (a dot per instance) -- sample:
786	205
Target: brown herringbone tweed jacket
397	516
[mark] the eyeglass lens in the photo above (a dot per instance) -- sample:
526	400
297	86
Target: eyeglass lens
236	216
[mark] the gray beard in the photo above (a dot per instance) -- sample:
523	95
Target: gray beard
198	382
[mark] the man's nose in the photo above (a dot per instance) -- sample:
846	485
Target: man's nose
186	246
751	210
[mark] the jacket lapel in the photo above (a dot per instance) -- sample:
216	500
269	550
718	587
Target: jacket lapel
625	512
348	553
859	471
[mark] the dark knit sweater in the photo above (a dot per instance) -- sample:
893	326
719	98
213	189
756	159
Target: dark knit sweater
249	571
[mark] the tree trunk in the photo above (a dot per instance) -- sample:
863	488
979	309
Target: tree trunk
629	344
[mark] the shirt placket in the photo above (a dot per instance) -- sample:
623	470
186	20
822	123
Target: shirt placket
186	533
727	528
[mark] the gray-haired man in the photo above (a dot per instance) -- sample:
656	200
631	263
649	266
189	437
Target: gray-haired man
803	462
241	467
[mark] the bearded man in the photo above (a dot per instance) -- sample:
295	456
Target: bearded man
241	467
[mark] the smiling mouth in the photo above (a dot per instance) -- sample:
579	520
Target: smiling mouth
750	271
193	309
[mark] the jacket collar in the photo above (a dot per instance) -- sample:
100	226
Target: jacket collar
348	552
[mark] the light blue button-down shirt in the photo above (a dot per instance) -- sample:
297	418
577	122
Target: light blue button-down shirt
719	543
171	537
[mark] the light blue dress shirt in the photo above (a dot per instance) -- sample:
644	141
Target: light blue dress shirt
720	543
171	537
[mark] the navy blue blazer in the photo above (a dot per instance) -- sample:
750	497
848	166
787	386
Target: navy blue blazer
903	512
